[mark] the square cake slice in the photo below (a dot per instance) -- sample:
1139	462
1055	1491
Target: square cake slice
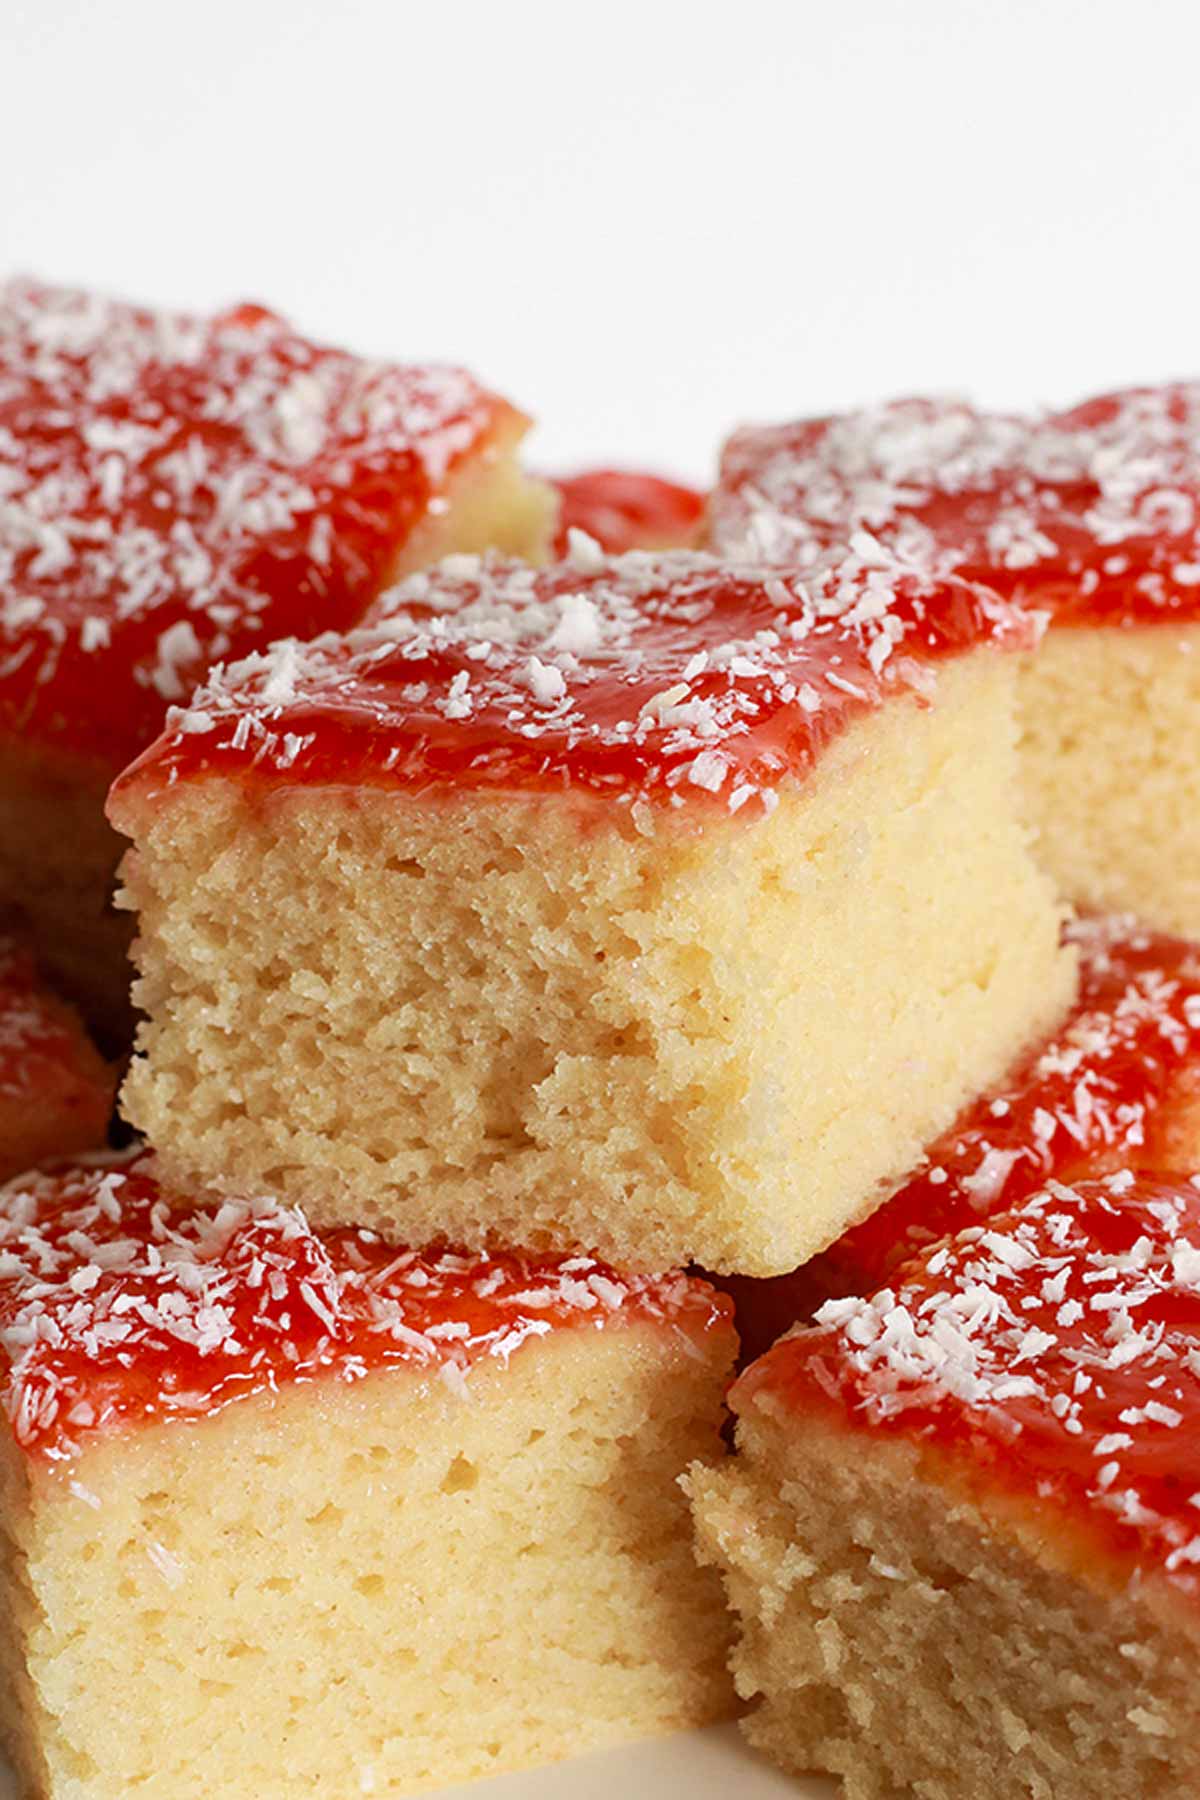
961	1532
1116	1086
56	1090
178	490
289	1513
647	907
1091	516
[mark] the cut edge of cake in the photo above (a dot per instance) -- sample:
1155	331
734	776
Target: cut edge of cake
1110	770
386	1588
895	1632
644	1088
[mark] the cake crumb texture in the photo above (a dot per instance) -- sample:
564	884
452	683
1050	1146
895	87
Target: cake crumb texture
1117	1086
1109	768
888	1634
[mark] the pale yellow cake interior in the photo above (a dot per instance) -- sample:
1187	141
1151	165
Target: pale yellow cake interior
58	855
490	503
533	1019
369	1589
1111	768
892	1632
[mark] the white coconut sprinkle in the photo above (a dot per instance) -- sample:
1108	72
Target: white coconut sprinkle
668	674
98	1277
946	488
977	1341
173	537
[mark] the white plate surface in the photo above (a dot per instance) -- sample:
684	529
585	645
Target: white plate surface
694	1765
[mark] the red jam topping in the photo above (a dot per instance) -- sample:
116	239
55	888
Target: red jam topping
1052	1354
177	490
46	1062
1111	1090
665	676
626	511
117	1311
1091	515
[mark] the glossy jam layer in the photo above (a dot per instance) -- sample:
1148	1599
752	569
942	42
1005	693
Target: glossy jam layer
116	1311
669	677
622	510
1117	1087
179	490
46	1061
1092	515
1051	1355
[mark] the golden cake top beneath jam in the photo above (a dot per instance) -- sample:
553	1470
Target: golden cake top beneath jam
175	490
117	1310
1050	1355
1091	514
670	677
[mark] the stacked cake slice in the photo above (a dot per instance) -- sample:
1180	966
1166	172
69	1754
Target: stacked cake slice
290	1511
1091	517
649	906
589	910
961	1534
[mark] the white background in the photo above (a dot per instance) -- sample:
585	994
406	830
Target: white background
643	221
